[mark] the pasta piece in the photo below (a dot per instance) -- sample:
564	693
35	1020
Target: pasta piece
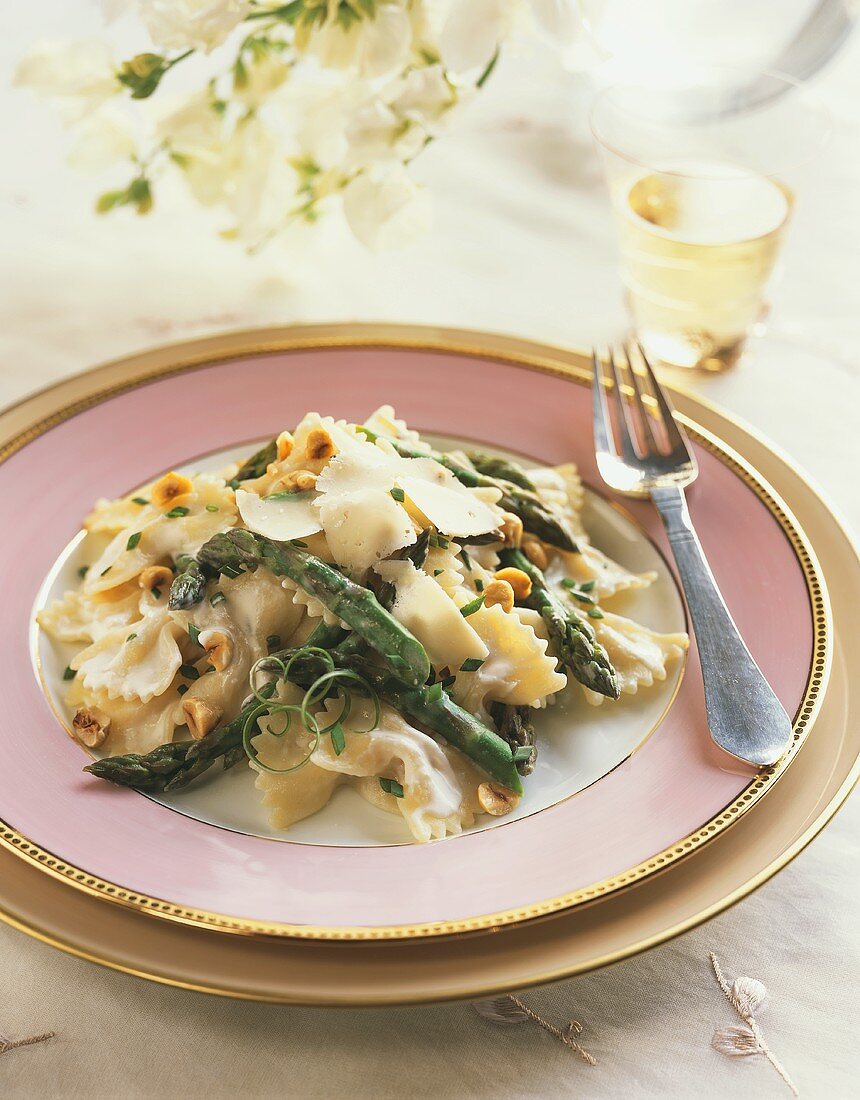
148	541
134	726
136	665
591	564
445	567
78	617
425	609
561	488
385	422
313	607
447	504
518	670
438	799
640	655
365	528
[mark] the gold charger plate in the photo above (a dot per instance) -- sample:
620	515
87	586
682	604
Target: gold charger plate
721	873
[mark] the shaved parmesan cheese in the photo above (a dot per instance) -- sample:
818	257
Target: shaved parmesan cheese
364	527
281	520
450	506
432	616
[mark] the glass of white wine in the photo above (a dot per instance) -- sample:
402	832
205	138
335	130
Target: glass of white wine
702	181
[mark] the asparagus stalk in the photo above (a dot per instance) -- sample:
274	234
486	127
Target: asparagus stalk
189	584
573	638
236	550
515	726
501	468
535	516
256	465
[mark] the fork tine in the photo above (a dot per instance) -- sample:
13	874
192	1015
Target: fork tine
603	439
625	425
638	400
673	432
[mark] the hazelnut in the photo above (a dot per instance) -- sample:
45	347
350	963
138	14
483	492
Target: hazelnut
219	648
496	799
284	444
534	551
501	593
518	580
90	726
200	717
512	529
168	489
319	444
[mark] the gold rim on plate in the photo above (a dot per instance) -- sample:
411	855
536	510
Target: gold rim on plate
138	370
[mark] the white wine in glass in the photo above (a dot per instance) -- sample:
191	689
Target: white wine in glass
698	244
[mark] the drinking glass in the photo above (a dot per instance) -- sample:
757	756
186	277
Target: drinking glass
703	182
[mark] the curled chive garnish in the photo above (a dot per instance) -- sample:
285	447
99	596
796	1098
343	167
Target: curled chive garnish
391	786
69	673
474	605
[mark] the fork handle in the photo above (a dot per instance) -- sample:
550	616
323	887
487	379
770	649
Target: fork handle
744	715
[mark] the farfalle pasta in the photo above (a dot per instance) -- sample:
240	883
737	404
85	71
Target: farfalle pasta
346	607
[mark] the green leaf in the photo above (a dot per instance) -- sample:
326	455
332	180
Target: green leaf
391	786
142	74
111	199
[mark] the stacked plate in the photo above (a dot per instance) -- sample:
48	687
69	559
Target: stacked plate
635	826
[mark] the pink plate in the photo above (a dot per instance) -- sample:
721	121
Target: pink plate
668	798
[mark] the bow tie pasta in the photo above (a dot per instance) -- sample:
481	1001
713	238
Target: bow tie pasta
347	608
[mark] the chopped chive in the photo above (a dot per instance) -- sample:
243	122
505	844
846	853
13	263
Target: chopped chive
82	572
139	500
438	572
467	561
391	786
106	571
212	508
471	664
338	740
229	571
449	681
291	494
69	673
156	593
177	512
522	753
301	545
398	494
434	692
471	607
194	633
189	672
216	598
273	642
208	668
133	540
233	483
440	541
583	598
182	689
479	584
568	582
595	613
131	637
587	586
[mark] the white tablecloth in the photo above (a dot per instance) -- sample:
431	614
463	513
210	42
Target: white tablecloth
522	243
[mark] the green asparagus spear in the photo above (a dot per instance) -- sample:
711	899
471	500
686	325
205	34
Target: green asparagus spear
516	727
234	551
573	638
189	584
535	516
175	764
501	468
256	465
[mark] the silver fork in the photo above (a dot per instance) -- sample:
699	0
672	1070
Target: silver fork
744	715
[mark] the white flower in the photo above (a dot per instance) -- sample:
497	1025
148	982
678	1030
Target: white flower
262	185
195	129
377	134
386	210
82	73
102	140
473	32
423	96
261	76
372	46
192	24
